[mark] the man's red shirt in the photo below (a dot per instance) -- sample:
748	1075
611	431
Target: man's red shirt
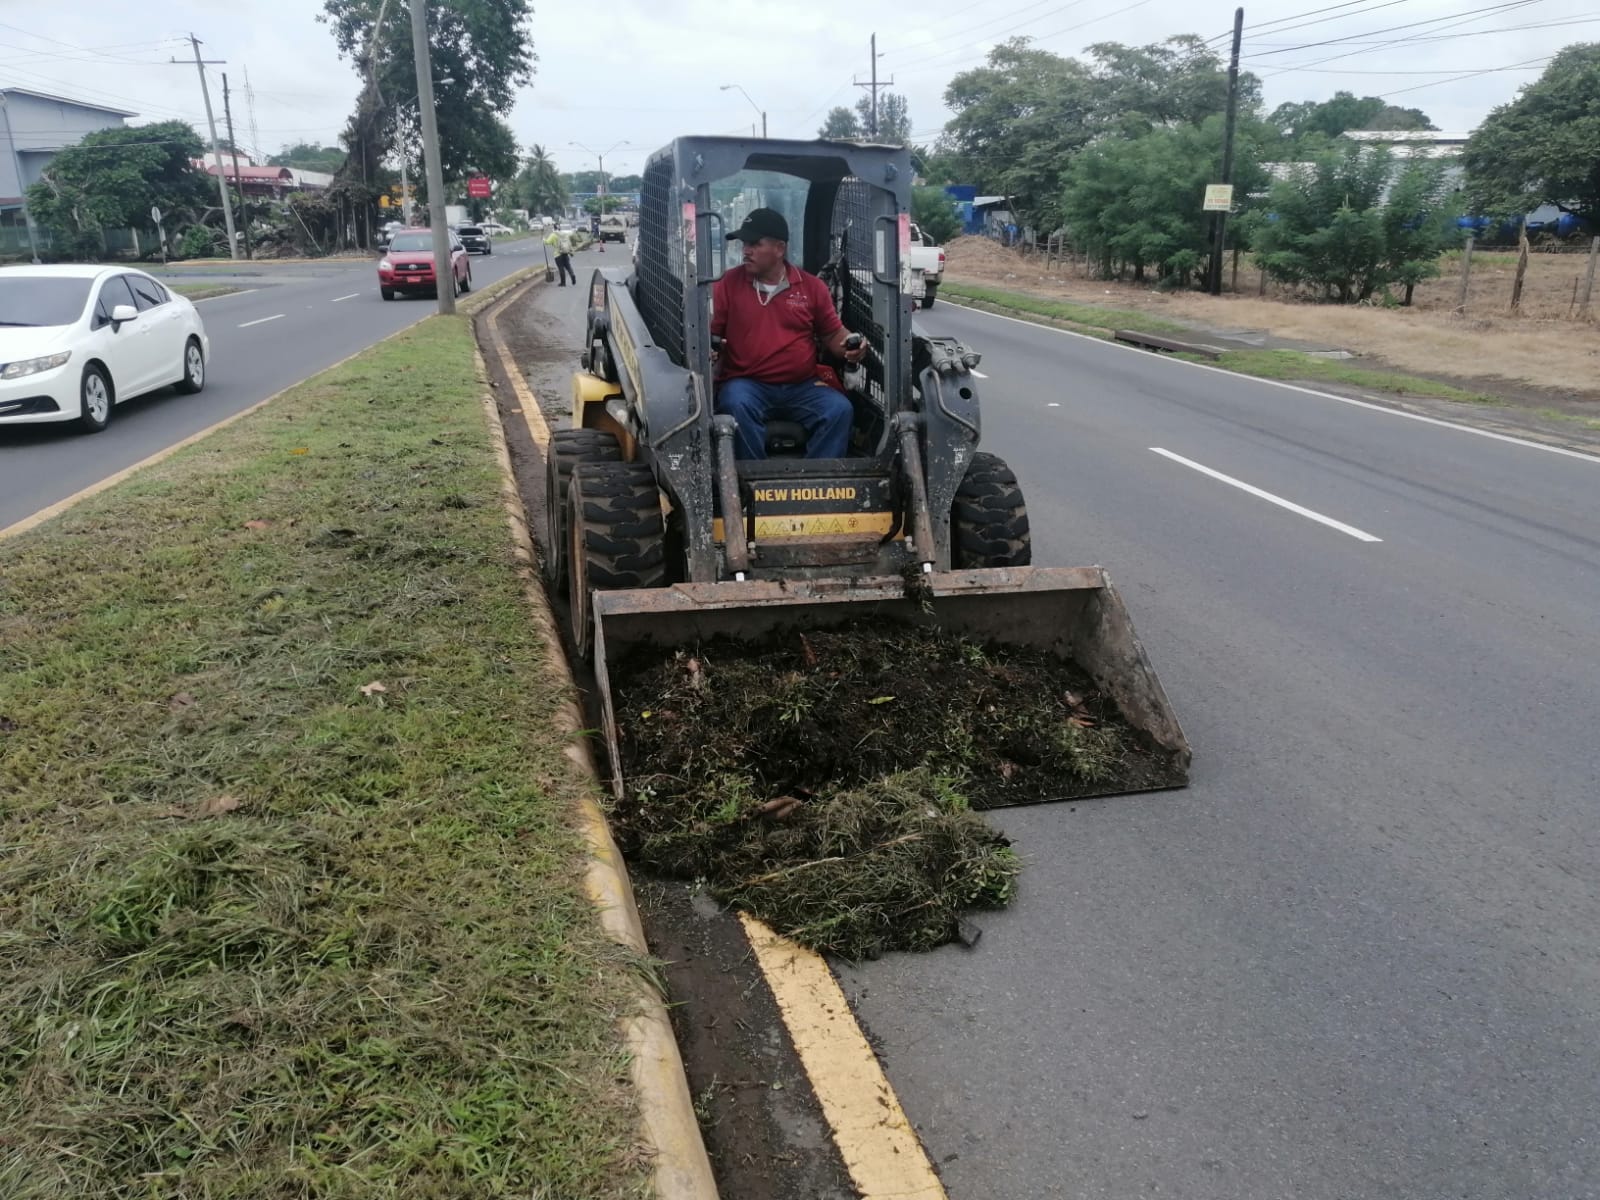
774	342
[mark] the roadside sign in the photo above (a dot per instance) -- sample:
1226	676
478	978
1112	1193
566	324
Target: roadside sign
1219	197
478	187
155	214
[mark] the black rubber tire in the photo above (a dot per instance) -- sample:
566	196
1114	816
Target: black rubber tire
386	293
989	520
568	448
95	390
466	285
618	539
928	294
194	368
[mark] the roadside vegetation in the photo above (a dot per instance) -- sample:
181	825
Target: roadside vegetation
291	896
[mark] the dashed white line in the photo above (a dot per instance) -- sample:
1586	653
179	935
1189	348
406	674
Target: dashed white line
262	321
351	296
1359	534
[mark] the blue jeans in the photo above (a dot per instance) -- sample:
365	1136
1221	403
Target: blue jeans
825	415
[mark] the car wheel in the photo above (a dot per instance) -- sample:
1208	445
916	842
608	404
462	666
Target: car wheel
386	293
466	284
194	368
95	392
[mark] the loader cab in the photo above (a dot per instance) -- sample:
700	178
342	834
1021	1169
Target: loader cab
848	220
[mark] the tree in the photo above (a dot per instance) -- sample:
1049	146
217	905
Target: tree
1354	222
894	119
1136	202
1317	122
1544	146
539	187
307	156
934	213
482	46
840	124
112	178
1022	117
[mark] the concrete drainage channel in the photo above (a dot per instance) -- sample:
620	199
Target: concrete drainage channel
788	1097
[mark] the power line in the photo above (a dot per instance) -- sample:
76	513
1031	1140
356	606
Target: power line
972	35
1043	37
1414	39
1523	66
1265	26
1493	8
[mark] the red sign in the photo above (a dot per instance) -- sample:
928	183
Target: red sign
478	187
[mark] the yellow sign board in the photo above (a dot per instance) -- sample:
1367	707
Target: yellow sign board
1219	197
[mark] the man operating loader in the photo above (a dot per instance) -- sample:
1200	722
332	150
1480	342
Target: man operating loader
772	316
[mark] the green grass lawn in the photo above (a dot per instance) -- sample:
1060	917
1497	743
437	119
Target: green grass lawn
203	291
1090	318
291	896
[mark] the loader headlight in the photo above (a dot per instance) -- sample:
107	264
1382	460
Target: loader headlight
32	366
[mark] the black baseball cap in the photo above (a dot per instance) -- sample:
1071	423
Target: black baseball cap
761	223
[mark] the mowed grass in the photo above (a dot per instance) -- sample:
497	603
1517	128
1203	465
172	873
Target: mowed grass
204	291
290	893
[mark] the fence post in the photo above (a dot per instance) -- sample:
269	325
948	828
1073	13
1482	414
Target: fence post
1588	280
1522	268
1234	285
1466	275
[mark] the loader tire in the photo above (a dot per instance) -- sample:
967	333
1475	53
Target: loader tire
618	538
568	448
989	520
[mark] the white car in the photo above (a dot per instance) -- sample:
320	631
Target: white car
494	228
76	340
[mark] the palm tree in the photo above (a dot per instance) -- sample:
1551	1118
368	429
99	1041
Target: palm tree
541	182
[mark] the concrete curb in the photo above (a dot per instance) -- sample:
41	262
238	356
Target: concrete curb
682	1168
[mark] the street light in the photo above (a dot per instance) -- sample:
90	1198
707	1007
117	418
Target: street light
601	158
405	182
735	87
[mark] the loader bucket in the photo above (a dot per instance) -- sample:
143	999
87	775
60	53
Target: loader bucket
1070	612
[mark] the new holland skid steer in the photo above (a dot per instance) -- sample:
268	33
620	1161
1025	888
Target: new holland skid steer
659	536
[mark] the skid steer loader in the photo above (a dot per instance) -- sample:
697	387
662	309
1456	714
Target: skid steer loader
659	536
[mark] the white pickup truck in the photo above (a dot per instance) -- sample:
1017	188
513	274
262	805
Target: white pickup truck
927	267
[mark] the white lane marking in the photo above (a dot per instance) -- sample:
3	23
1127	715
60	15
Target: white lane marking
262	321
1360	535
1294	387
240	292
351	296
1053	404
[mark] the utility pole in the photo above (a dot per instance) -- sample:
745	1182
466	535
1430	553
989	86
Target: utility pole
1227	151
216	149
244	213
443	269
872	123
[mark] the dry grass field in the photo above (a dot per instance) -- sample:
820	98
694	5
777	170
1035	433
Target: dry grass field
1542	348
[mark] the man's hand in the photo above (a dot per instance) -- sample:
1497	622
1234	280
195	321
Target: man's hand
851	347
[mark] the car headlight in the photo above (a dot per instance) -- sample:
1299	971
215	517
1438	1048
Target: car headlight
385	265
32	366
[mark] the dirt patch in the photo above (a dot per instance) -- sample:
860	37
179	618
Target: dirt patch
760	1120
825	781
1538	359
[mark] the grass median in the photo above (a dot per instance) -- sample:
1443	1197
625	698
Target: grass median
291	896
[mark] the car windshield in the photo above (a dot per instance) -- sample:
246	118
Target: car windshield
31	300
412	242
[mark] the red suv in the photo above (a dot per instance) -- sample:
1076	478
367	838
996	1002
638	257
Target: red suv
407	265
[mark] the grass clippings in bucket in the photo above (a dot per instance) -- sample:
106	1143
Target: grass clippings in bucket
824	781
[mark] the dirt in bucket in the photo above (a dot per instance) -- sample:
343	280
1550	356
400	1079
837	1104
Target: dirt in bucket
827	781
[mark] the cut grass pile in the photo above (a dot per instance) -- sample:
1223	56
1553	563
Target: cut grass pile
291	896
825	781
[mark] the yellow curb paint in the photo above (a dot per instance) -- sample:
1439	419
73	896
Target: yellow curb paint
537	428
681	1166
880	1149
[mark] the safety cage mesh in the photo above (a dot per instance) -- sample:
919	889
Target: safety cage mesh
850	245
660	294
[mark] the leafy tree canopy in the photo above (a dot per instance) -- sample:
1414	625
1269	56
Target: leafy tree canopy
894	119
840	123
1329	118
1357	221
934	213
308	156
483	47
1543	147
113	177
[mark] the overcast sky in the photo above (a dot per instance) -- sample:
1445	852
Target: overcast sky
642	71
